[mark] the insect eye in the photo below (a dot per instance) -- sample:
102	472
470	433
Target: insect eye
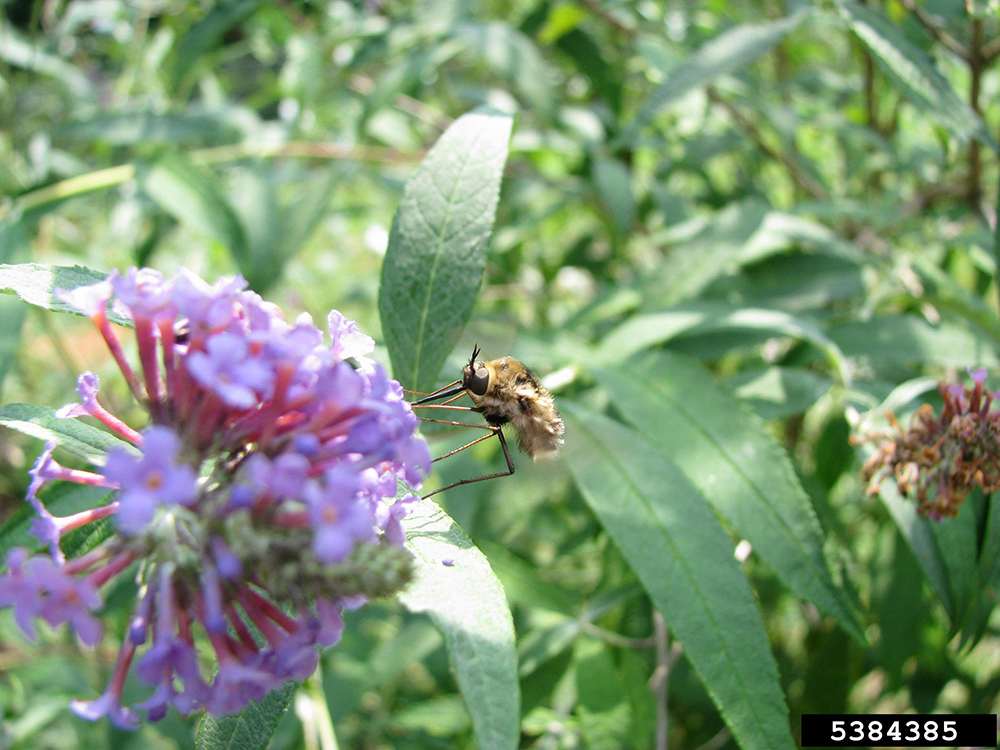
478	381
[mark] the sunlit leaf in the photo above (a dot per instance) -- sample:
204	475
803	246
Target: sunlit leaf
193	197
251	728
122	129
204	35
730	51
909	340
437	246
79	438
612	182
456	587
670	536
36	284
652	329
726	451
916	74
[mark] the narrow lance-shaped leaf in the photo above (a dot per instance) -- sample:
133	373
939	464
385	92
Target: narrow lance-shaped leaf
650	329
79	438
189	194
36	283
437	246
957	540
251	728
730	51
203	36
987	586
911	67
672	539
61	499
725	450
918	535
457	588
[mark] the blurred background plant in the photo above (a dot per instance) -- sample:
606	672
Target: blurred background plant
799	197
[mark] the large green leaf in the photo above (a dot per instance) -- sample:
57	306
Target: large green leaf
612	180
957	540
130	128
643	331
35	284
251	728
203	36
727	452
514	56
275	232
671	538
720	248
456	587
61	499
191	195
911	340
731	51
19	52
15	245
12	314
79	438
437	247
915	72
987	587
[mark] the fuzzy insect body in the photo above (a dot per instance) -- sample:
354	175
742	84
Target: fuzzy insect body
504	392
515	396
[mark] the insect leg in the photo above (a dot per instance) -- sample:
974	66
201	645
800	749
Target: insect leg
494	430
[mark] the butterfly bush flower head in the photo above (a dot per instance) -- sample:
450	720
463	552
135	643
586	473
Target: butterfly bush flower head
257	504
942	456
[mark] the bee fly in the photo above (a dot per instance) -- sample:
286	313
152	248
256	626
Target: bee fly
504	391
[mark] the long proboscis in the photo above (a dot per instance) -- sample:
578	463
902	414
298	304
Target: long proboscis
452	389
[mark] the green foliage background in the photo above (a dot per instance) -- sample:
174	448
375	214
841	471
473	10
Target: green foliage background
725	233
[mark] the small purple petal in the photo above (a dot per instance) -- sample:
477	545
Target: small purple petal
348	341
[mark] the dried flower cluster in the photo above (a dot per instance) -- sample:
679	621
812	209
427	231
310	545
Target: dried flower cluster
941	457
259	502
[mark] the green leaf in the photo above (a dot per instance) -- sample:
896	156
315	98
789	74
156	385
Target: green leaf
190	195
18	52
15	245
721	247
62	499
251	728
957	540
515	57
911	340
36	283
731	51
918	534
275	232
129	128
12	314
79	438
523	584
456	587
613	184
204	35
443	716
671	538
915	72
987	588
727	452
779	392
437	246
652	329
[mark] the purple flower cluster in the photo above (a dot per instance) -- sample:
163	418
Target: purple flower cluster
259	503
